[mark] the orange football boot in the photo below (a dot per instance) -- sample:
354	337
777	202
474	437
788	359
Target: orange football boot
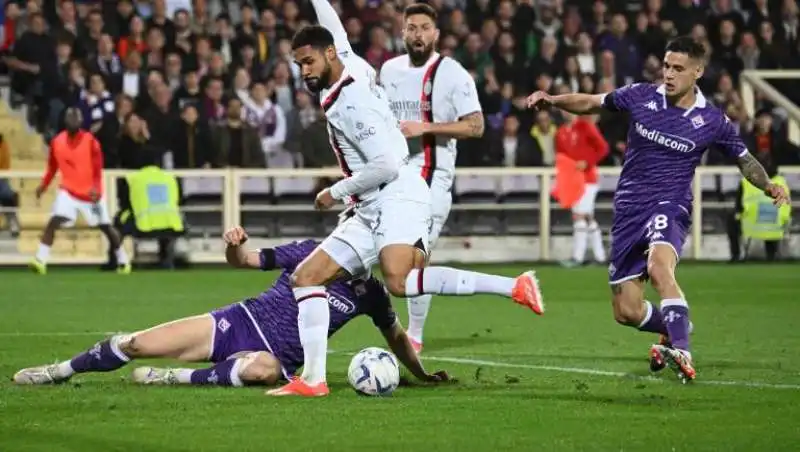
526	292
298	387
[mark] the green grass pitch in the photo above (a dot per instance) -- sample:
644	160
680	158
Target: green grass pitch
572	380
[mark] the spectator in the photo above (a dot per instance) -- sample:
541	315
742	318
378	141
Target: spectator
135	40
212	108
94	32
108	63
134	142
267	119
120	20
34	62
173	73
96	104
133	80
234	142
155	55
184	36
161	117
189	92
283	88
308	134
8	197
190	142
544	135
514	146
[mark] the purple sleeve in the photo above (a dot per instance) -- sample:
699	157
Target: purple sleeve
622	99
286	257
729	141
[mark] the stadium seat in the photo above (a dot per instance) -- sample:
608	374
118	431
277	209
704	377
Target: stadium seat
469	192
519	189
607	187
793	180
203	197
294	214
256	193
729	184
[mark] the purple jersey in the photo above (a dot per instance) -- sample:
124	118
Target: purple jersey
275	311
665	145
653	200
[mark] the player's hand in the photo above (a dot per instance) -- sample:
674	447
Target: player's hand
539	100
413	129
324	200
39	192
581	165
235	236
439	377
778	194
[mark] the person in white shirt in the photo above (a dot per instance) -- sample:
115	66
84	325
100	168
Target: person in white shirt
390	208
436	101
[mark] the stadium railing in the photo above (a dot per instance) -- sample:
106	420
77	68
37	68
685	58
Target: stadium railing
755	81
512	204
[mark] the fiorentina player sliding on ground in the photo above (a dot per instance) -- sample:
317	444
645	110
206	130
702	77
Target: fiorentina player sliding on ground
255	341
671	126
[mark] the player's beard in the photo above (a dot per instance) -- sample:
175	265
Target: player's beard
418	56
315	84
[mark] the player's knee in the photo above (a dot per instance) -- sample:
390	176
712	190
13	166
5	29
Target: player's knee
132	346
661	274
260	368
396	285
627	308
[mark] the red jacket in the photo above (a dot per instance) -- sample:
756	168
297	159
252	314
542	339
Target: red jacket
582	140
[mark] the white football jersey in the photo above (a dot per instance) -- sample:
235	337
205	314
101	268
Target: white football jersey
441	90
360	127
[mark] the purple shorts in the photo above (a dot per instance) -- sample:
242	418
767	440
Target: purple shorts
633	234
235	331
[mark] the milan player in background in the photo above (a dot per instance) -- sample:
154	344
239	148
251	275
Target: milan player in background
671	126
77	155
436	101
252	342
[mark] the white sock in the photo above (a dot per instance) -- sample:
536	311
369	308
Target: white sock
452	281
312	322
417	313
184	376
579	239
65	369
43	253
596	237
122	256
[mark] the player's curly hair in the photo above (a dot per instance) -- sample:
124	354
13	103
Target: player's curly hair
312	35
420	8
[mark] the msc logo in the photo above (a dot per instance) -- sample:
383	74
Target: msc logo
363	133
343	306
667	140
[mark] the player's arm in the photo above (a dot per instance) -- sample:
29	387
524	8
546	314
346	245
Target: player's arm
49	174
97	170
463	96
329	18
371	134
731	143
618	100
385	319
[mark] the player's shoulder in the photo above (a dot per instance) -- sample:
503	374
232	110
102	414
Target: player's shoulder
394	64
642	89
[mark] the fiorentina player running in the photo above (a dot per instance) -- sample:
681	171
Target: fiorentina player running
391	214
255	341
436	101
671	126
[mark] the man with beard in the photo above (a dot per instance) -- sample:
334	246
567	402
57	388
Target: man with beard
436	102
77	154
389	221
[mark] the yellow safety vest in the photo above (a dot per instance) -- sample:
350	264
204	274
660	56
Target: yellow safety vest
154	200
760	218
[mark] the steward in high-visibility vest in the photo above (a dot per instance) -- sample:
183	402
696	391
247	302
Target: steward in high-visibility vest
760	218
154	197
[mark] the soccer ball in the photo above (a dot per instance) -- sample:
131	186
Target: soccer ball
374	372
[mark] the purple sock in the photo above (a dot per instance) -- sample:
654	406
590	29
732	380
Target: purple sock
676	318
653	320
100	358
225	373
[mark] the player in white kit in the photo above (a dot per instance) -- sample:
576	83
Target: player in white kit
436	101
391	211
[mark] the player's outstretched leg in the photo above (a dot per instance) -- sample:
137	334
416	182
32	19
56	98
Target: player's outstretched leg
39	262
631	309
418	308
404	276
674	309
187	339
115	242
245	368
308	284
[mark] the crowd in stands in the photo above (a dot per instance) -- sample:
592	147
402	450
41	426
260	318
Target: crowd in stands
212	83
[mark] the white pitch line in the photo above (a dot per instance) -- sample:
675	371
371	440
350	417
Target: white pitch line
477	362
605	373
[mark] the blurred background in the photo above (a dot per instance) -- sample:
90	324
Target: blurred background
210	87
